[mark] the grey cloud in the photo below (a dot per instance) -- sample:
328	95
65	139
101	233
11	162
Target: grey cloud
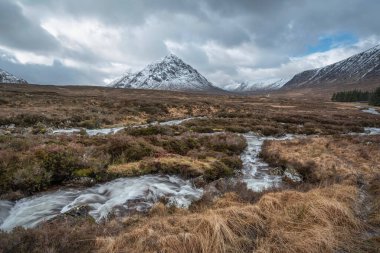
19	32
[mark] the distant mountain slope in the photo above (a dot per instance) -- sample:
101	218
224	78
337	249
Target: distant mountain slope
359	68
170	73
261	85
6	77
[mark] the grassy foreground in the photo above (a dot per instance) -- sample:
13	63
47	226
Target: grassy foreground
336	208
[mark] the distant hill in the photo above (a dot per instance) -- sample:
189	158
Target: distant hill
6	77
257	86
170	73
362	69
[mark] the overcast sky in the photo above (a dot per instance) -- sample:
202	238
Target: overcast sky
94	41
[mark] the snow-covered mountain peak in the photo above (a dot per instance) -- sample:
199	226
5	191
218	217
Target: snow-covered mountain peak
171	57
6	77
169	73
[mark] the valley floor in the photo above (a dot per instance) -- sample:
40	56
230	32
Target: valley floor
335	208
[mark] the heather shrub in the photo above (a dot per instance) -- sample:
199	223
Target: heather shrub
150	130
60	162
90	124
202	129
31	178
226	143
233	162
125	149
180	145
237	129
217	170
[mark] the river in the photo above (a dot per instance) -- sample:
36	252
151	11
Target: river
125	195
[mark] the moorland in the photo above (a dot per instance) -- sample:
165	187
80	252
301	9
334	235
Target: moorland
335	208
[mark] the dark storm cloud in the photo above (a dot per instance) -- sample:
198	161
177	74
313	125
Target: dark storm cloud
19	32
216	36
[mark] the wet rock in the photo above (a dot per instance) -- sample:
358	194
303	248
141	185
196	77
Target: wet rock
80	211
292	176
5	132
210	193
217	188
276	171
199	182
83	181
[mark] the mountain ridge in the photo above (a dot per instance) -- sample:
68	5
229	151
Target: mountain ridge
361	67
258	85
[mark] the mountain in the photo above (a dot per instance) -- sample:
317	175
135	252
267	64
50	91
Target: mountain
6	77
170	73
260	85
357	69
121	81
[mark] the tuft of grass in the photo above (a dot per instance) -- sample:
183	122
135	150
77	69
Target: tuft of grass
324	219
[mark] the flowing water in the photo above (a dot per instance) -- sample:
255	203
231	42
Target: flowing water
256	173
120	196
372	111
113	130
371	131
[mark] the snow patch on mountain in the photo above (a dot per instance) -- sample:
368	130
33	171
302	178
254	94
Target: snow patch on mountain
170	73
258	85
6	77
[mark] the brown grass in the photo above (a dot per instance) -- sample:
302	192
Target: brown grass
322	158
348	160
321	220
374	190
187	165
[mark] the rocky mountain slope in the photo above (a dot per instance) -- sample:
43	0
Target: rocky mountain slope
6	77
170	73
360	68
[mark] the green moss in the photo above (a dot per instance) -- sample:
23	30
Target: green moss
86	172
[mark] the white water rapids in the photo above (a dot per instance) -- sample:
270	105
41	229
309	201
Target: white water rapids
125	195
256	172
121	195
371	110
